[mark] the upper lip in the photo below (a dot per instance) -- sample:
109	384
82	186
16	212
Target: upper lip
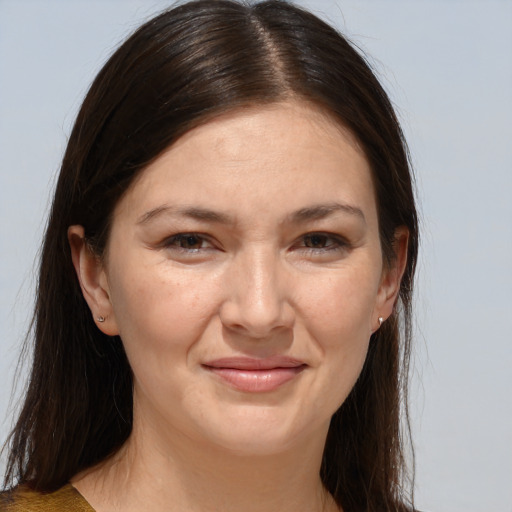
251	363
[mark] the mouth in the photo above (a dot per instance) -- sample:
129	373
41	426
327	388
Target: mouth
252	375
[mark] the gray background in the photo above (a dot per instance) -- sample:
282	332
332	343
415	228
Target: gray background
448	68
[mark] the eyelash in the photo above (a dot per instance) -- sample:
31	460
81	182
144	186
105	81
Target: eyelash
175	242
332	242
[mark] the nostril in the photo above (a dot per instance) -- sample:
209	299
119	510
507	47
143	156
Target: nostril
256	322
257	292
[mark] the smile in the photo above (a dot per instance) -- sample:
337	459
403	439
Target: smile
256	375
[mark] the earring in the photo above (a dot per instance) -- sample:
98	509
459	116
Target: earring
381	321
100	319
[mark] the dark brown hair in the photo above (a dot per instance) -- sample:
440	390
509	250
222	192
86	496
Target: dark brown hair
183	67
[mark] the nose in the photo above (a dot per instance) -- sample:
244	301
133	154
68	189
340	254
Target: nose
258	292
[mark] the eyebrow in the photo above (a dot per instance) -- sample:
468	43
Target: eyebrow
192	212
321	211
310	213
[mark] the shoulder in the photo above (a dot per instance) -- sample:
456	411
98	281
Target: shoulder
24	499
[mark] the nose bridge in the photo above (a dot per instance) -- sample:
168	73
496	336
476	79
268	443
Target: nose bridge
258	298
262	274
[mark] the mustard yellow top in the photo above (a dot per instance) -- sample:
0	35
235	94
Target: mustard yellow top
23	499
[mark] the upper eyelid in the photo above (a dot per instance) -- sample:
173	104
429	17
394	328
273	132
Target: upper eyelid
338	238
177	236
341	240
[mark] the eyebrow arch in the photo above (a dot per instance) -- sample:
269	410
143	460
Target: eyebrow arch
315	212
321	211
192	212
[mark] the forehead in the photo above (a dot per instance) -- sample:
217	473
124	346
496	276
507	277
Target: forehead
280	156
263	130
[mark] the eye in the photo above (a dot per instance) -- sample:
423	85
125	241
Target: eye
317	241
323	242
188	242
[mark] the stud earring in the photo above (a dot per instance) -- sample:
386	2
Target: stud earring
100	319
381	321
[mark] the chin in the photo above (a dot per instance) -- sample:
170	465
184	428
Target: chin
245	444
262	432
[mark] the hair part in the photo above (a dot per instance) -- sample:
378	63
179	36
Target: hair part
185	66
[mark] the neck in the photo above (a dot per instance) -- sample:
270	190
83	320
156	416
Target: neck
175	474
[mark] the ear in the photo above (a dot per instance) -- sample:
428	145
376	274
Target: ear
391	277
93	281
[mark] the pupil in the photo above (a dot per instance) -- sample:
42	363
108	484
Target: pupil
316	240
190	241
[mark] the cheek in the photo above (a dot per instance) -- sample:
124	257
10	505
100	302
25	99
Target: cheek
161	316
337	313
160	311
341	305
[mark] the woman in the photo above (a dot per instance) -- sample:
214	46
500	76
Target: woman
223	310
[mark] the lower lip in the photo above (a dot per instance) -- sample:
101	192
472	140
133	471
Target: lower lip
257	381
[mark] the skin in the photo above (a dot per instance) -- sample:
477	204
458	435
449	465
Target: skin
278	269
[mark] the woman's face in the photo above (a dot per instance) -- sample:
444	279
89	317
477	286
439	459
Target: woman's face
245	276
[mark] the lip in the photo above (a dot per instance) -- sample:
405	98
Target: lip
253	375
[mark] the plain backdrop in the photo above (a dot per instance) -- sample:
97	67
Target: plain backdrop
448	68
